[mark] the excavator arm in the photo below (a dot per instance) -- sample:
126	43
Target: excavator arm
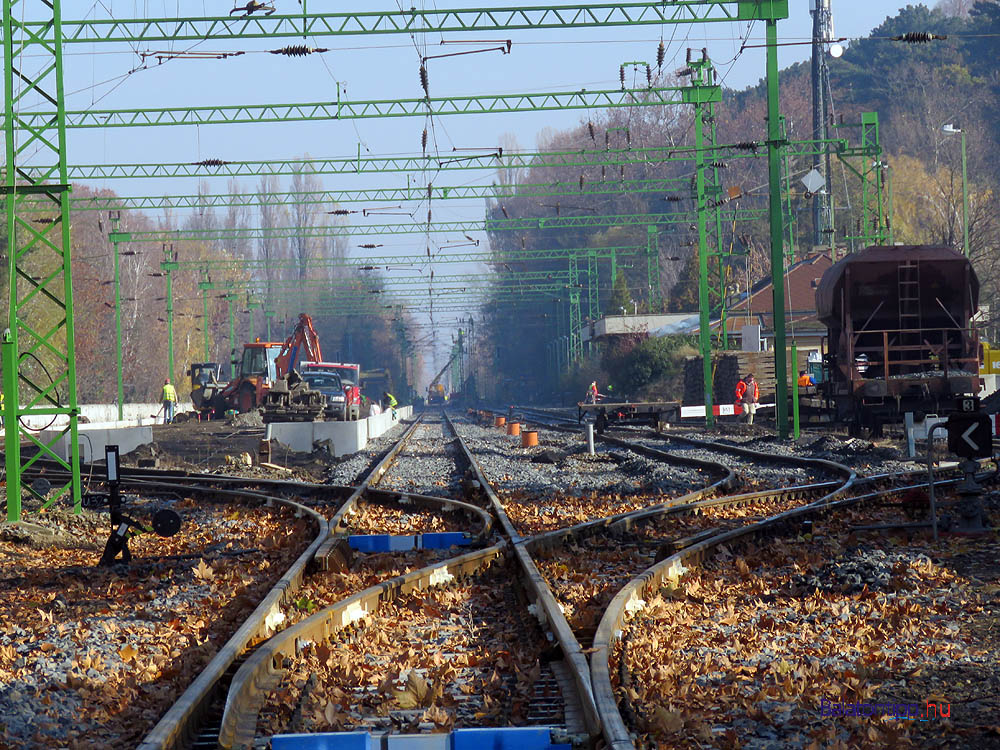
442	370
301	344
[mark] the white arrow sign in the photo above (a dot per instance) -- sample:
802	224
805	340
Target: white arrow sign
966	438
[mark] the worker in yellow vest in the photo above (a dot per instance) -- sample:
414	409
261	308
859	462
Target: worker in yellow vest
169	399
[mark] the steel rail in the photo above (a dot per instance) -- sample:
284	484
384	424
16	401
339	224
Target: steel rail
435	503
262	670
174	729
669	570
336	544
616	733
547	608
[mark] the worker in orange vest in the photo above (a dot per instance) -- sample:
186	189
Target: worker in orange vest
747	397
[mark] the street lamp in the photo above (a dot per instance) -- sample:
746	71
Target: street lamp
951	129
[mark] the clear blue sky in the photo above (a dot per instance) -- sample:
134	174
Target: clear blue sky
377	67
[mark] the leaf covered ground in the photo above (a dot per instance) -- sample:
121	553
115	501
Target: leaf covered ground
772	646
92	657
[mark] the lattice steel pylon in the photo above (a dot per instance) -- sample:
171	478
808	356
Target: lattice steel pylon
39	372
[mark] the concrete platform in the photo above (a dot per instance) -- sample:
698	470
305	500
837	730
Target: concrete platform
94	437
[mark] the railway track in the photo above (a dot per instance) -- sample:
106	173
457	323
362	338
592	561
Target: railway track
518	611
534	677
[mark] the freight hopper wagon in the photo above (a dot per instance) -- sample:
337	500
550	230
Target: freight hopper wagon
899	333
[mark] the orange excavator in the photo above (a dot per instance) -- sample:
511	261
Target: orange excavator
267	366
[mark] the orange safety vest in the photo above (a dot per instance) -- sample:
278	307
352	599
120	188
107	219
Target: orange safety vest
805	380
741	390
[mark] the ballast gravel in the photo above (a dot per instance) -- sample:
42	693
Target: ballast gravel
352	469
864	456
775	474
92	657
612	472
428	465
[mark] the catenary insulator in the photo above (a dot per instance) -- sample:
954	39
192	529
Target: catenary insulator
423	79
297	50
621	76
210	163
917	37
661	54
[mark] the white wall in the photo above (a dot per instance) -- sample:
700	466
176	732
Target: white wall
93	439
104	414
344	437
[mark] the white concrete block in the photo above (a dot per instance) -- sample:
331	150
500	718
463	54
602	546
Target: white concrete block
92	440
344	437
296	436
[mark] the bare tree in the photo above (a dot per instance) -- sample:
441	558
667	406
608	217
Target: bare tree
238	216
305	215
271	249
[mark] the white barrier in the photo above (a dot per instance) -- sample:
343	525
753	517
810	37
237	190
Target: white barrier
339	438
94	437
103	414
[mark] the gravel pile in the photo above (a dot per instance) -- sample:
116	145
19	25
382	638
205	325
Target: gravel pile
428	465
512	468
353	467
875	569
247	419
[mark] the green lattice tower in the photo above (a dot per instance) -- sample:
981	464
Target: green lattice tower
703	94
872	227
39	372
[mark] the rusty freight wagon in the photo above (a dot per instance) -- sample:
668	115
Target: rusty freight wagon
900	336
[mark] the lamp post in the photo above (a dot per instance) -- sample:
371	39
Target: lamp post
950	128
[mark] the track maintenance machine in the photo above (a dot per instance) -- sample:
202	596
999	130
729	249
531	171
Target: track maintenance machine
266	377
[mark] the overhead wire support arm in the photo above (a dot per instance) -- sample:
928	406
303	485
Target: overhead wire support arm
347	110
413	192
491	158
411	21
513	224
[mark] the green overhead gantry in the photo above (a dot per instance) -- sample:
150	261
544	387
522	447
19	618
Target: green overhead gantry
39	364
410	193
351	290
499	225
42	33
414	21
355	110
486	158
